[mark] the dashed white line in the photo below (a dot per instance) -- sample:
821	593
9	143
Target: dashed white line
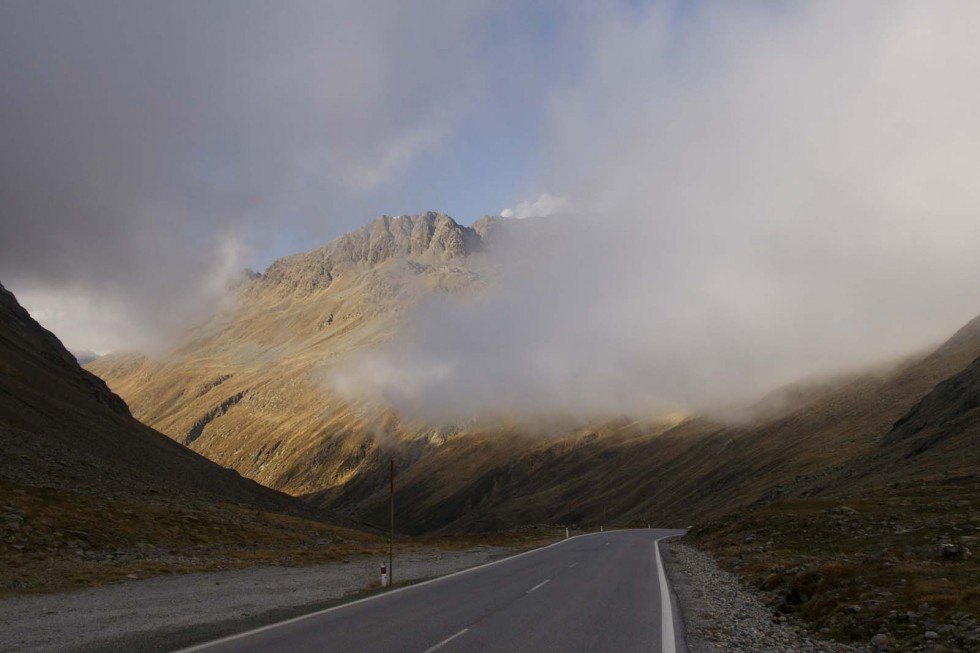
406	588
445	641
542	584
572	565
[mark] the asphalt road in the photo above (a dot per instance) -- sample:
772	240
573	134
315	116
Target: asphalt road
592	593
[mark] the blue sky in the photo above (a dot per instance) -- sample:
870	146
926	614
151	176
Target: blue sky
491	153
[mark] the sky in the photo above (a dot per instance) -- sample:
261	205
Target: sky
150	149
753	192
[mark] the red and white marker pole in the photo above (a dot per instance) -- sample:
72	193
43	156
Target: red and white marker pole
384	574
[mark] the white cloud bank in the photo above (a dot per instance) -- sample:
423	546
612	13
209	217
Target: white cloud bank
545	205
140	139
785	191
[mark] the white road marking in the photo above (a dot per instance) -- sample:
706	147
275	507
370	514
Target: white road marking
572	565
248	633
668	645
445	641
538	585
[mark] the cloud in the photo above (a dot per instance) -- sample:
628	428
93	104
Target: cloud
545	205
140	139
766	193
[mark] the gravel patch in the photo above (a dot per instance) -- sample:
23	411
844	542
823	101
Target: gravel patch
721	616
165	613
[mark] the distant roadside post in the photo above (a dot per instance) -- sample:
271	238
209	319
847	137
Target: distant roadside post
391	515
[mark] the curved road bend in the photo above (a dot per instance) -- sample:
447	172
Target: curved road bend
597	592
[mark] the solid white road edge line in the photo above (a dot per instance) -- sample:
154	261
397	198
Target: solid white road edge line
445	641
667	642
538	585
247	633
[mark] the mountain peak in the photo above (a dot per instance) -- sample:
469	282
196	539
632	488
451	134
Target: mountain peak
427	237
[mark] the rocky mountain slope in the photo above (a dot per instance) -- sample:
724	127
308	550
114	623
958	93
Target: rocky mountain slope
247	389
88	493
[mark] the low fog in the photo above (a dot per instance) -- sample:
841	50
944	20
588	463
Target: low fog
758	194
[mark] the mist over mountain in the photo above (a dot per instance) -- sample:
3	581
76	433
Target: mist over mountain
294	387
754	208
757	206
151	152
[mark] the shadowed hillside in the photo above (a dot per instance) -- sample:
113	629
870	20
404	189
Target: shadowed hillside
89	494
836	443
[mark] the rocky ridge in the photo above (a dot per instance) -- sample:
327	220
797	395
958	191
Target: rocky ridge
429	238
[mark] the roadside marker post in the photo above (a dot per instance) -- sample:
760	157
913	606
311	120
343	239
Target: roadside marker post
566	532
384	574
391	533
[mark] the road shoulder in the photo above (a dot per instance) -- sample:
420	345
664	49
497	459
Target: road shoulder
720	615
165	613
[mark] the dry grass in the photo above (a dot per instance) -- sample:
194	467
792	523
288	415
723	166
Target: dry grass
52	540
871	565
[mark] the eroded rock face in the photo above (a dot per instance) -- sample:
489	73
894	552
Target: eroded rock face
951	409
429	238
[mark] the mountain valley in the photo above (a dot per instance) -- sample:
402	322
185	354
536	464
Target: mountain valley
880	461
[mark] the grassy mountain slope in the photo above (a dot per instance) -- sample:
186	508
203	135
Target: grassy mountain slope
884	545
246	390
88	493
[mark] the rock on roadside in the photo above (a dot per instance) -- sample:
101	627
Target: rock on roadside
721	616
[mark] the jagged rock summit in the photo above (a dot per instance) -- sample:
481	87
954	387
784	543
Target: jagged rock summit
429	238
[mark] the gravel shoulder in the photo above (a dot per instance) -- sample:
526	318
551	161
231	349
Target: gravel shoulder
167	613
721	616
